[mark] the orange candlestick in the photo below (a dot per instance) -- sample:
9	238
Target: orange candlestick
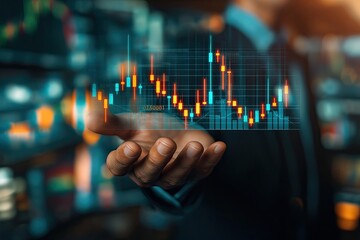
251	119
186	114
106	106
222	72
180	107
99	95
122	83
262	115
197	105
229	88
217	56
152	76
157	90
286	91
240	111
134	83
274	104
175	96
164	86
204	92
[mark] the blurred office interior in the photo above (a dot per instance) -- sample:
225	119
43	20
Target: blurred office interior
53	179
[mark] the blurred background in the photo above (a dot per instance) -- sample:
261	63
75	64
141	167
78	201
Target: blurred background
53	181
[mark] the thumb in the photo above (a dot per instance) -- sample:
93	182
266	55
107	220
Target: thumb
100	120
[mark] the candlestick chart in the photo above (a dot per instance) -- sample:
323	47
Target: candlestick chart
211	87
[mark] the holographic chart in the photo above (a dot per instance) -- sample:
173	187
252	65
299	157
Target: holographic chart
211	87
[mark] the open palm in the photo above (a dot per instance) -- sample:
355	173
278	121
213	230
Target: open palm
166	158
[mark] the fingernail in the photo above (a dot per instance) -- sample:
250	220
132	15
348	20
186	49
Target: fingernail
218	149
164	149
129	152
191	152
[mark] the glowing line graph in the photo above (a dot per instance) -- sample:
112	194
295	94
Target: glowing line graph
199	103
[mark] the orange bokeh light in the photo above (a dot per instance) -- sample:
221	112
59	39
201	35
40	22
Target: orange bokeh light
45	117
348	215
20	130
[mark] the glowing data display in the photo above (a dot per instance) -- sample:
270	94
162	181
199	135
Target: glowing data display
215	88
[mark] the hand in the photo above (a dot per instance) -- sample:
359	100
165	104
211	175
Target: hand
166	158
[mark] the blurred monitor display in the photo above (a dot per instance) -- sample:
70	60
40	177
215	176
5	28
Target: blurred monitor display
336	69
30	29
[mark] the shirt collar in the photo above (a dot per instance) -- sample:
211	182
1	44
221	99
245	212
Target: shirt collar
258	33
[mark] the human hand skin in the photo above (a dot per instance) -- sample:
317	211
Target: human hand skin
165	158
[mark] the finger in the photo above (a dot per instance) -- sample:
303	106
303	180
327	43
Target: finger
149	169
176	174
209	159
118	125
121	160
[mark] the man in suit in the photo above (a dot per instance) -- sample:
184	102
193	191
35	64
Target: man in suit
257	191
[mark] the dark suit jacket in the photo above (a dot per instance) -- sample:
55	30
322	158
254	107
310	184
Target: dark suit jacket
259	189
